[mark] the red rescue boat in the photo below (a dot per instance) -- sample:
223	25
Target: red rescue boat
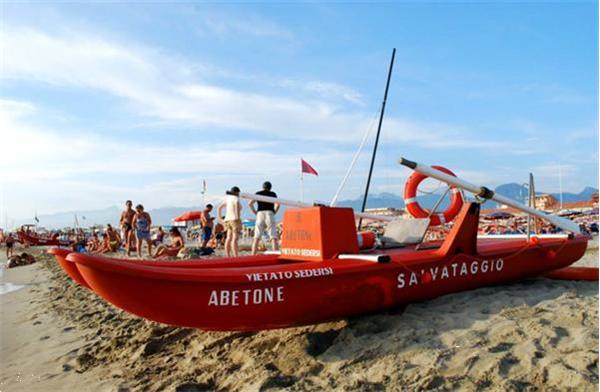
34	239
320	275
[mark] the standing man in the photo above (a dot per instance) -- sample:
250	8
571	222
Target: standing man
10	242
142	223
232	220
126	224
265	218
207	225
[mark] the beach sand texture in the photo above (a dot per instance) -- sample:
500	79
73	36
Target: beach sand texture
538	334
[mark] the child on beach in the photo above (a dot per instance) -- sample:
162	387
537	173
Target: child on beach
177	243
232	221
160	234
141	223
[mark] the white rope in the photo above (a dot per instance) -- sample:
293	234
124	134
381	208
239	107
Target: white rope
354	159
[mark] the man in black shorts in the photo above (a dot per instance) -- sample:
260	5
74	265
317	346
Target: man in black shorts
10	242
126	227
265	218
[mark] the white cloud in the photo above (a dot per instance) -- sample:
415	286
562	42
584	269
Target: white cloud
325	89
172	92
226	25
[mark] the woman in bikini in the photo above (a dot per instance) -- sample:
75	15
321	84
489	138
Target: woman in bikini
177	244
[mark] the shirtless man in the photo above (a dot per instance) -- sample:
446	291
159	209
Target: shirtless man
207	225
125	223
10	242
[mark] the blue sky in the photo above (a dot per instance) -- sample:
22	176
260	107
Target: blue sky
102	102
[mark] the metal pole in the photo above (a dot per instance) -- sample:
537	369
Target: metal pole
293	203
387	86
560	184
302	187
529	205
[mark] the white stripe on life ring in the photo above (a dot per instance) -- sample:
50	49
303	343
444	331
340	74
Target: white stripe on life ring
410	200
442	218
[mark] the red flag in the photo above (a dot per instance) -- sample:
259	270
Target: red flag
308	169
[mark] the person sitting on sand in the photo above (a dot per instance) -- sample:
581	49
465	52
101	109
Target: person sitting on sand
104	244
10	242
78	242
207	222
160	235
126	225
177	243
93	243
141	223
232	221
113	238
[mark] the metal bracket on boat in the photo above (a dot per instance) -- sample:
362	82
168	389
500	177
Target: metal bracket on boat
371	258
485	193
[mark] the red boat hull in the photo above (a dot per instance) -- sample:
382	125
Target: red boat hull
230	299
263	292
70	268
31	240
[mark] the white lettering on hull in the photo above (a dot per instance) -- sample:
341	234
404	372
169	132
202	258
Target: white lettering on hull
454	270
301	252
246	297
281	275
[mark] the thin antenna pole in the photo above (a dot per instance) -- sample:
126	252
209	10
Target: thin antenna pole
302	187
529	204
387	86
560	184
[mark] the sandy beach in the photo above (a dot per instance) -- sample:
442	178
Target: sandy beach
532	335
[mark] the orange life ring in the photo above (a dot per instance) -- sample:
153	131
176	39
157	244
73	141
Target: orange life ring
413	207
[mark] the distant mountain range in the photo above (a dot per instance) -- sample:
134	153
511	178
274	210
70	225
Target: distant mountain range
164	215
514	191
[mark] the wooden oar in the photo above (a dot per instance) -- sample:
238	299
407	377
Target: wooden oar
486	193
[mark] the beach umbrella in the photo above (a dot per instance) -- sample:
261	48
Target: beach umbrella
500	215
188	216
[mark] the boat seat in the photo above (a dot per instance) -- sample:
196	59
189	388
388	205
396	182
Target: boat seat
401	232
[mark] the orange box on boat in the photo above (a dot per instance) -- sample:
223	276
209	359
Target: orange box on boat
318	233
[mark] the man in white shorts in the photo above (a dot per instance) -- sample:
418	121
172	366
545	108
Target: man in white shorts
265	218
232	221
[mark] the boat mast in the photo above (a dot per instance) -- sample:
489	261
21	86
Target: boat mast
387	86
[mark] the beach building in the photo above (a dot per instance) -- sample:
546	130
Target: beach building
546	202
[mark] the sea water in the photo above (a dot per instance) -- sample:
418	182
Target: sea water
7	287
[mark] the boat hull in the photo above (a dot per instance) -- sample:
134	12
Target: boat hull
285	293
30	240
68	267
